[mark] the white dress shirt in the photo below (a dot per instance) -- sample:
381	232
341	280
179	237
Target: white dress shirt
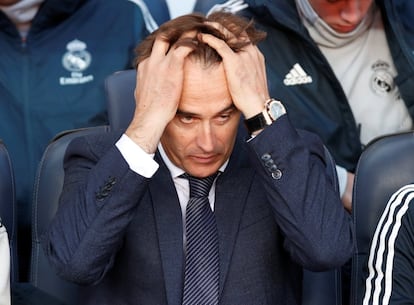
144	164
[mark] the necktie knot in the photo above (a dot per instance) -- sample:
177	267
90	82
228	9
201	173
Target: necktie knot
200	187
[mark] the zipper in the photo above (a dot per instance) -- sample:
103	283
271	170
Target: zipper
29	139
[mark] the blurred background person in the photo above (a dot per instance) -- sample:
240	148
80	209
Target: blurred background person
182	7
55	55
159	10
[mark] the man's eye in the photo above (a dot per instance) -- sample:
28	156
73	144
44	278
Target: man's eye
223	117
186	119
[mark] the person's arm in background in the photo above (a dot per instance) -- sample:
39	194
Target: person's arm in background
4	267
346	184
389	279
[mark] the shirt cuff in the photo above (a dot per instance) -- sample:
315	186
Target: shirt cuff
138	160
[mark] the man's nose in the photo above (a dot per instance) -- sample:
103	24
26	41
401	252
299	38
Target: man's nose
351	12
206	137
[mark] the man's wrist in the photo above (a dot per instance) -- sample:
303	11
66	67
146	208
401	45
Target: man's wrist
272	110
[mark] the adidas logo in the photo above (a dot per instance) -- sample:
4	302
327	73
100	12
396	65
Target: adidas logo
297	76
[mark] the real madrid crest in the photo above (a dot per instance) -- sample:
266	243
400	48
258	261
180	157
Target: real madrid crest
382	81
76	60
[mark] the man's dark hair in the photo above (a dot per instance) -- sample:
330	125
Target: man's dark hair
242	32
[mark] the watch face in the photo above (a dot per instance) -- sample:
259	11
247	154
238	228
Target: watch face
275	109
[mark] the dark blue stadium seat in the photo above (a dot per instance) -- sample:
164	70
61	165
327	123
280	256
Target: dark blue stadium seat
49	182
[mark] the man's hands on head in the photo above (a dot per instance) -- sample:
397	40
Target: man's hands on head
157	93
160	82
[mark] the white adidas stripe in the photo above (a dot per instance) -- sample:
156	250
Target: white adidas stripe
231	6
150	23
396	207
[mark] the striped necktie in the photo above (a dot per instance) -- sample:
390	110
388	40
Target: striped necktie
201	284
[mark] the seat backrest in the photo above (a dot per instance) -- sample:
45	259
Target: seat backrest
8	206
119	89
385	165
319	288
48	185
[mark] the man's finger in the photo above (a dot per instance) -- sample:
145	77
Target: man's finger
160	47
218	44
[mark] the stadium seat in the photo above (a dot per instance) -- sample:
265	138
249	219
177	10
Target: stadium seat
48	185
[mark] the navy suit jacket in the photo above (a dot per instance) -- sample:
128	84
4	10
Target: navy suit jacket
122	234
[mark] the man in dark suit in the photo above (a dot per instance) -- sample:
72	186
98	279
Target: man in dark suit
124	226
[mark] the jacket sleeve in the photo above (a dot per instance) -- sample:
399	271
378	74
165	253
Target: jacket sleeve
98	200
390	266
307	206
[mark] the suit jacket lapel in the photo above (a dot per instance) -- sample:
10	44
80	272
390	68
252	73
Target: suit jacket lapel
169	224
231	194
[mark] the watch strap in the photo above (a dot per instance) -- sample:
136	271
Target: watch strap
255	123
266	117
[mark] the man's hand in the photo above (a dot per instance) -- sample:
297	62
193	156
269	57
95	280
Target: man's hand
347	196
245	73
157	93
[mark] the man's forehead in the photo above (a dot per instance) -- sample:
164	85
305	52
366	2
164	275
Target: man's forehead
184	109
197	65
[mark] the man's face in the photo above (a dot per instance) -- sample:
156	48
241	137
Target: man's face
8	2
201	136
341	15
